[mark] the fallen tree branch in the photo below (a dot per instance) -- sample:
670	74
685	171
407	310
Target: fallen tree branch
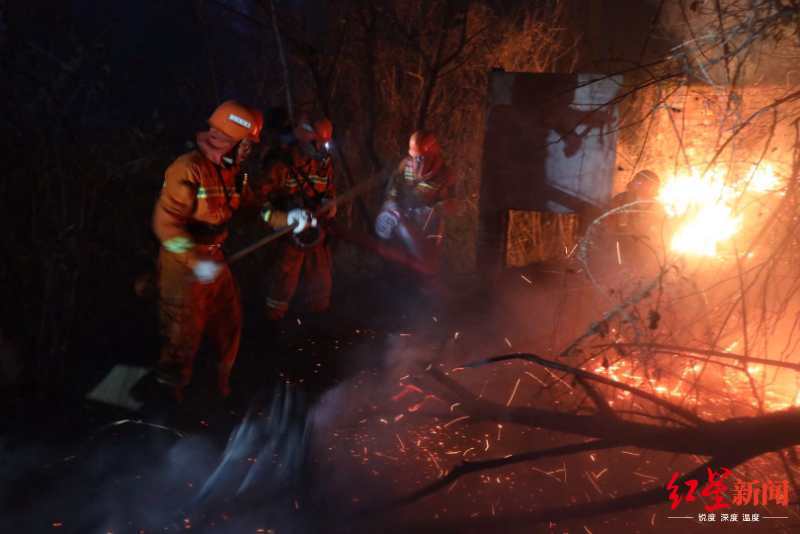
686	414
753	435
641	499
466	468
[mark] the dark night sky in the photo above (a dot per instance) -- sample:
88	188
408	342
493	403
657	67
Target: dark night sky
155	55
145	54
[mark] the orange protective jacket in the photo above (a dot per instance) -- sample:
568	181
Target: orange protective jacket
300	182
306	180
197	200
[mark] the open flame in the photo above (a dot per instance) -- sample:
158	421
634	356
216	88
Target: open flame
707	206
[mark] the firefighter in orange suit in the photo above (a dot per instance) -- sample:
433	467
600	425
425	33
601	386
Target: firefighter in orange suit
197	293
302	179
637	228
643	187
417	200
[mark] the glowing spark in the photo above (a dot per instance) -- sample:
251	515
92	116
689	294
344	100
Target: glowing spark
600	474
558	378
499	431
400	441
487	445
507	342
456	420
454	406
514	392
408	388
526	279
591	479
455	336
548	473
535	377
415	407
619	255
573	250
436	463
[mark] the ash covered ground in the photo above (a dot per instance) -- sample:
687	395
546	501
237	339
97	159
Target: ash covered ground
335	423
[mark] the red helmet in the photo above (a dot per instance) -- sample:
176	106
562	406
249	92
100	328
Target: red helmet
323	129
427	153
237	121
424	143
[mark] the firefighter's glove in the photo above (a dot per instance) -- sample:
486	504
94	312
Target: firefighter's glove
206	271
300	219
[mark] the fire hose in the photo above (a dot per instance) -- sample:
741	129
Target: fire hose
349	196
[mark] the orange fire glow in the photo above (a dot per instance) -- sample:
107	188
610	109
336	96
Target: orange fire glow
707	207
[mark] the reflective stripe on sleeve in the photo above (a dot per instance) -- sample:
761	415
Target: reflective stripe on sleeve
179	244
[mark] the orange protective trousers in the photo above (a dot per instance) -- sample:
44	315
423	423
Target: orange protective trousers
188	311
315	265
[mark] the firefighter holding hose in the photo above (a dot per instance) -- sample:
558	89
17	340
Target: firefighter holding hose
302	178
417	199
197	292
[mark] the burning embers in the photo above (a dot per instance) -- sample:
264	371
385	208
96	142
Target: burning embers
710	208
